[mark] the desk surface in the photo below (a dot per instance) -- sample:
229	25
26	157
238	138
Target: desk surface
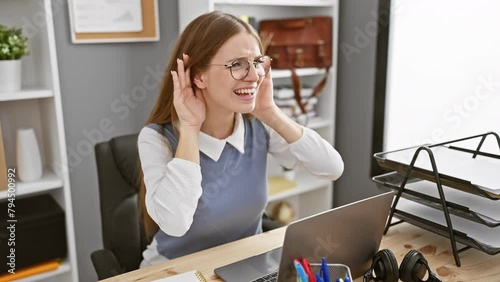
476	265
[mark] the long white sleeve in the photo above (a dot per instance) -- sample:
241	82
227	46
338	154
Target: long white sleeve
173	186
311	151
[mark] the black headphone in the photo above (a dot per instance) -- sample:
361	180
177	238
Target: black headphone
413	268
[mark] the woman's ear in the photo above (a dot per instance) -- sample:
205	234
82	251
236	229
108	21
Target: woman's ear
199	81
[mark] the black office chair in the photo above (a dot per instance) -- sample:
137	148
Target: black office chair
123	237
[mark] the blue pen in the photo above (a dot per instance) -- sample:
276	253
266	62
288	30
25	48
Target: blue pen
300	271
324	270
318	278
347	279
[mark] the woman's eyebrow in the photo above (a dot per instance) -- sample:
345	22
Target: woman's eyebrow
235	59
244	58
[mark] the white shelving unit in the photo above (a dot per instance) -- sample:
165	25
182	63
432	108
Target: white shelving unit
311	195
38	105
49	181
26	94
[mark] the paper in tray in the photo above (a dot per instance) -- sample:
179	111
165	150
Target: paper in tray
463	204
483	234
483	172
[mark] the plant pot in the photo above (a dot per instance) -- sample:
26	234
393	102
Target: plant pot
10	75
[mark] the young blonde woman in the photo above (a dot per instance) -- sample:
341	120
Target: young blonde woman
203	151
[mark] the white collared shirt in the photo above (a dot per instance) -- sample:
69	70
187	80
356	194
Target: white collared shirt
213	147
174	185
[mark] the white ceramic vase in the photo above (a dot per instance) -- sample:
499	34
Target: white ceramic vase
10	75
29	161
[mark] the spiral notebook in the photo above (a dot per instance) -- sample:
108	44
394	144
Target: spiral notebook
190	276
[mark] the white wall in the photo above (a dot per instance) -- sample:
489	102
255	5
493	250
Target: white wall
358	31
443	77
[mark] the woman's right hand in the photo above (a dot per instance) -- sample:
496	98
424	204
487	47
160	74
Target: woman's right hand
188	99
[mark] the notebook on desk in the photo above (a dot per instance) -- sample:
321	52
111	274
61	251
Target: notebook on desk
350	234
190	276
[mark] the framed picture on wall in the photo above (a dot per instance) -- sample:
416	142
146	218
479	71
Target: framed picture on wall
98	21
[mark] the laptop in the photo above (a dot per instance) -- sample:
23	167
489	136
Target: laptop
350	234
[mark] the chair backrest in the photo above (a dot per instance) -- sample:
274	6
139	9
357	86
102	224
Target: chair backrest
118	171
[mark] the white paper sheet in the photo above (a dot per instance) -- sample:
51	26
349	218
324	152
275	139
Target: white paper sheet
107	15
481	171
482	233
477	204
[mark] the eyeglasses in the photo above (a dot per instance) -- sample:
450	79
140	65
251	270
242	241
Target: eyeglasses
240	68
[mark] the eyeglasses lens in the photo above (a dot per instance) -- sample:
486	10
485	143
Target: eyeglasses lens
241	67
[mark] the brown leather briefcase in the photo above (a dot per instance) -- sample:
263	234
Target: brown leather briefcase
299	43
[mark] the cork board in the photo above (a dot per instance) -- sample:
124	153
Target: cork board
150	30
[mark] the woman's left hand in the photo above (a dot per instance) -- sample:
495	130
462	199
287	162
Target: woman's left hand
264	103
267	112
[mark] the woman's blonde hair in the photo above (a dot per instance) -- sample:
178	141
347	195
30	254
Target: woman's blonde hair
201	40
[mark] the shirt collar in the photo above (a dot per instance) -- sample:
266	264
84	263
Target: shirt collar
213	147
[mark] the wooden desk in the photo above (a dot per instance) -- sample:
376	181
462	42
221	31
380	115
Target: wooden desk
476	265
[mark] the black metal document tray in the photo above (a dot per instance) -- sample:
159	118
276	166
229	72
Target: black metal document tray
466	232
468	170
446	165
459	203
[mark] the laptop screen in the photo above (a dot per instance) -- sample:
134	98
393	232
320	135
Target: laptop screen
349	234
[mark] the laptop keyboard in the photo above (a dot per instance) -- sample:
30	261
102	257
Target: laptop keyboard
271	277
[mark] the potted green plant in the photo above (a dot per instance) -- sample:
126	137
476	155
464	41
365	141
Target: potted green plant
13	46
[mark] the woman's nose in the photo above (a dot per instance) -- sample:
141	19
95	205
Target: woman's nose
252	73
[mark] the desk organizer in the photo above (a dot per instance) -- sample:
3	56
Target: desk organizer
457	201
336	270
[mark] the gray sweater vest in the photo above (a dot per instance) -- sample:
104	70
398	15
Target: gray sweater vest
234	194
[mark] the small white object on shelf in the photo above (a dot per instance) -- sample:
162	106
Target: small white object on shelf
29	161
289	174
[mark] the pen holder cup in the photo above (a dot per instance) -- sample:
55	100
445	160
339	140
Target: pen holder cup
336	270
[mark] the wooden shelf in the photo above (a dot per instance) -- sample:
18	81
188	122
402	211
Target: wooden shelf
38	105
32	93
48	182
311	3
305	183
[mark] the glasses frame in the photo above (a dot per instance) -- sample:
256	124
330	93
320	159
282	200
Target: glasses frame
230	66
